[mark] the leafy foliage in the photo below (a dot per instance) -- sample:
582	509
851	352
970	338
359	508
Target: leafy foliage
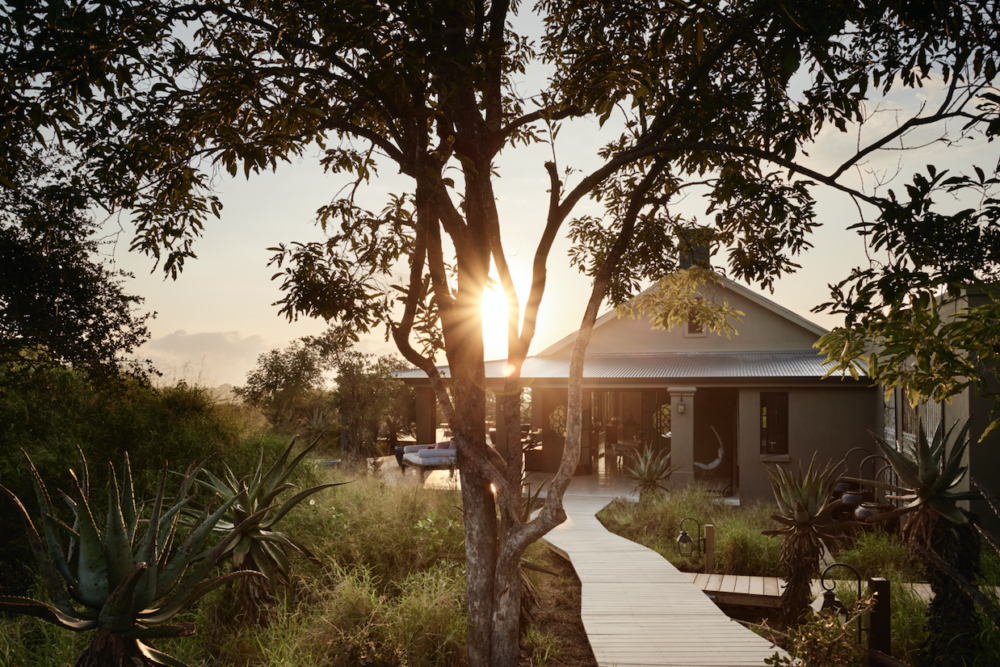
805	507
705	90
677	299
253	510
926	320
59	304
928	473
281	381
649	470
369	398
939	533
126	587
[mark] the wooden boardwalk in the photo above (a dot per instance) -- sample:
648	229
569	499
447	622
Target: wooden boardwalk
762	591
638	609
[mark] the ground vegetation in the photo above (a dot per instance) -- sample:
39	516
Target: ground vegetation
724	96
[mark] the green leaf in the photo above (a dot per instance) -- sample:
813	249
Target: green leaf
92	571
117	545
295	500
117	613
159	657
28	607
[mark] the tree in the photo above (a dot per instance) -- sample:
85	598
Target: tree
59	304
281	381
721	97
369	398
927	320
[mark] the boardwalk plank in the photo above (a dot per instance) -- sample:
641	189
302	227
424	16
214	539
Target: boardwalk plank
638	609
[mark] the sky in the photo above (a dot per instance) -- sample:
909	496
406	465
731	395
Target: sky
216	319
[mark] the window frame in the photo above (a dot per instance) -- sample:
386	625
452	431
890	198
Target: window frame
773	426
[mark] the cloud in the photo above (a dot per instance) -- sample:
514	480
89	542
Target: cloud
205	358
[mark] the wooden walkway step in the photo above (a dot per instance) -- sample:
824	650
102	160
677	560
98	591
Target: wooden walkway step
638	609
762	591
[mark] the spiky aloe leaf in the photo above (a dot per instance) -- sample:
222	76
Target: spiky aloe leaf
50	574
241	550
906	469
92	572
187	552
205	562
29	607
274	553
289	504
55	552
146	588
129	513
193	588
289	543
84	473
163	631
159	657
927	456
286	473
263	564
117	613
947	509
117	544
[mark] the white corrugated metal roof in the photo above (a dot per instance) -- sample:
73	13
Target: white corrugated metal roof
680	365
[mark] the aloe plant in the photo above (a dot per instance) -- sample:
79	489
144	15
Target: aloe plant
940	533
124	583
805	509
650	471
253	510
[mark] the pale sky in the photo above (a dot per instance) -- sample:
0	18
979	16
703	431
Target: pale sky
215	320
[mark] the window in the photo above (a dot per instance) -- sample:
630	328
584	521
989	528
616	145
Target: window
927	412
889	417
694	327
774	422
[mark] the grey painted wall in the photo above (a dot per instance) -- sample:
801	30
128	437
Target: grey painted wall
829	421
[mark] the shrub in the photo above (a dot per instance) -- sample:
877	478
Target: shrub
50	417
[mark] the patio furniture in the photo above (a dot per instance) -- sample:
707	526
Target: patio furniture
440	456
621	450
713	471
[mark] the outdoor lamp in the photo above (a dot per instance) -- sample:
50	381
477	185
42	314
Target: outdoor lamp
688	546
680	406
830	600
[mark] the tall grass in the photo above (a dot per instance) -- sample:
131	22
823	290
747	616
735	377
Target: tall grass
739	546
388	584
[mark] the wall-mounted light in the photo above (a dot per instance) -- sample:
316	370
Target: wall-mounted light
680	406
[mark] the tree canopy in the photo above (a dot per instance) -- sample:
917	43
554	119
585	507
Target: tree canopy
59	303
718	98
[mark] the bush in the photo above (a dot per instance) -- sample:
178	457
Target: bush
739	546
61	411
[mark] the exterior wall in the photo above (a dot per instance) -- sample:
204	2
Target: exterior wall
829	421
982	456
760	330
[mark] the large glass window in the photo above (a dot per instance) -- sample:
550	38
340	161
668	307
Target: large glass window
774	422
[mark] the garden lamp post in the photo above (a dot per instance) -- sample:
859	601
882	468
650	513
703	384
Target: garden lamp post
879	615
830	600
688	546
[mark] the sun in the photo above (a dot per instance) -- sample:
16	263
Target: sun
494	311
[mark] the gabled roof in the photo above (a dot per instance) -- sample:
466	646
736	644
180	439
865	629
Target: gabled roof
727	284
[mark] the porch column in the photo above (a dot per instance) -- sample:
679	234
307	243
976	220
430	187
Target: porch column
426	415
682	436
